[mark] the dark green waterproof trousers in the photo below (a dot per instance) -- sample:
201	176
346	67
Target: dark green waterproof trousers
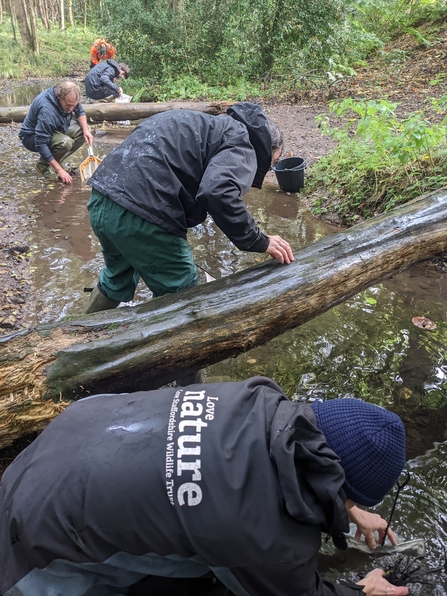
133	247
62	146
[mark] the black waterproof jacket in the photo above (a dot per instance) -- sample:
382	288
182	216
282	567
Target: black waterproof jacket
180	165
100	81
228	477
44	118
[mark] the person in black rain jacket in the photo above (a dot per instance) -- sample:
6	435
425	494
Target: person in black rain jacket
209	489
174	169
100	82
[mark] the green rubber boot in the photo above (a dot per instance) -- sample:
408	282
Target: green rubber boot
44	169
98	301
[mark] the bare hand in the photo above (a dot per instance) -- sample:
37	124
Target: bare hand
279	249
88	137
376	585
367	523
65	177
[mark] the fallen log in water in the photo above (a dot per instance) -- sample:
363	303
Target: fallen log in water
99	112
43	368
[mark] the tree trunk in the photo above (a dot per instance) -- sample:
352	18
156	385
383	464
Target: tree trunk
62	15
53	10
13	18
43	12
128	349
32	17
70	13
22	22
100	112
177	6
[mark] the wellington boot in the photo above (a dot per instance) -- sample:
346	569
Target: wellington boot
98	301
189	378
44	169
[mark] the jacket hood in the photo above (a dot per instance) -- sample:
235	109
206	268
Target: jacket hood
252	115
115	65
309	472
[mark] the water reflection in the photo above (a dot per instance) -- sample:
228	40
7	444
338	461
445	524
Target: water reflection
420	513
372	351
23	95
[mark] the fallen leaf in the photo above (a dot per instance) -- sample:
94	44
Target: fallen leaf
413	433
405	393
423	323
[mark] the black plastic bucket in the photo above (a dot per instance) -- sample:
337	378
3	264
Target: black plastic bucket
290	173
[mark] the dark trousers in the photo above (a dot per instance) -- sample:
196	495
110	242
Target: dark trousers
133	247
61	145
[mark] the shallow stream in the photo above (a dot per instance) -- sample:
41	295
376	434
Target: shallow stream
367	347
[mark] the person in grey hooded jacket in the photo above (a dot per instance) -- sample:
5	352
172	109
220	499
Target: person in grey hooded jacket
173	170
210	489
101	81
55	127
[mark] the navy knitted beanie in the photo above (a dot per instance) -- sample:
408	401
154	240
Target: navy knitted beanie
370	442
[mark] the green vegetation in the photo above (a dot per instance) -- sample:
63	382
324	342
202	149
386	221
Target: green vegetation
236	49
190	87
387	19
222	44
61	53
379	161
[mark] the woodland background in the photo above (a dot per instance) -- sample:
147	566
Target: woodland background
209	48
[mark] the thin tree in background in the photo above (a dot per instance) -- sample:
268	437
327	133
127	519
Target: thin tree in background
62	14
10	6
22	22
31	8
70	13
43	13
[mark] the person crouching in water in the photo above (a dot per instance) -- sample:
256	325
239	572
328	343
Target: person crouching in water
55	127
101	81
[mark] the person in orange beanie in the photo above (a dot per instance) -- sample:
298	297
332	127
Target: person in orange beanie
101	50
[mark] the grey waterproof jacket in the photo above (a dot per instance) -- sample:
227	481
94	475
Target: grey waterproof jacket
228	477
44	118
180	165
100	81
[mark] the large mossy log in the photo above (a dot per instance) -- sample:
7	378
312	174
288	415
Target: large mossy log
44	368
100	112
